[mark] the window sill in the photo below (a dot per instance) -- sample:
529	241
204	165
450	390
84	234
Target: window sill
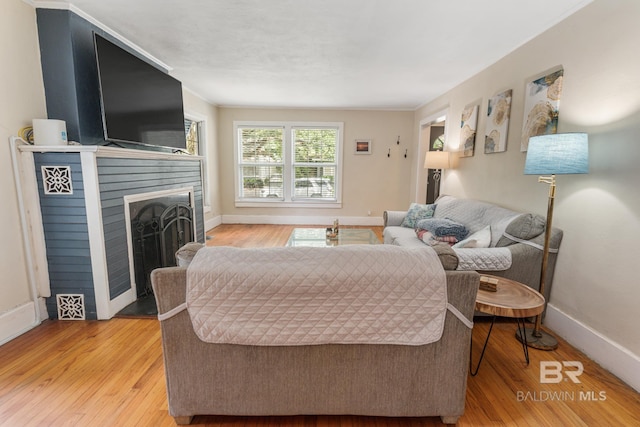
283	204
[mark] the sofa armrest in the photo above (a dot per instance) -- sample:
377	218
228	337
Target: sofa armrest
393	218
527	261
169	287
462	287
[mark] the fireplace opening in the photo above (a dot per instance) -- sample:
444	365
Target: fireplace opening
159	227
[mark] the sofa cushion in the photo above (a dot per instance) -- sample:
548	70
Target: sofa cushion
395	232
417	212
525	227
479	239
484	259
441	227
407	241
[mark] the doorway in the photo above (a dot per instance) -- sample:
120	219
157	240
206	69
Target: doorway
432	137
436	143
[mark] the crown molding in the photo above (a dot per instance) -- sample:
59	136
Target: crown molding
62	5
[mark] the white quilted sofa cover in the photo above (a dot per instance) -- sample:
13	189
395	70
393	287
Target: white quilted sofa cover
475	216
366	294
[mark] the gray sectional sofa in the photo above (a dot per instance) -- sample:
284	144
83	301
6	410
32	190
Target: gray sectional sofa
515	247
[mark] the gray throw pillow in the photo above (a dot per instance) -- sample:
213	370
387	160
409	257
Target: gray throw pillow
447	256
525	227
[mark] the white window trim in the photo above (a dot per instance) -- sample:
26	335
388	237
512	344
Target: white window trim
288	165
202	148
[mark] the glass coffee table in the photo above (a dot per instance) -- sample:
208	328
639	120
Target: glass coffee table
318	237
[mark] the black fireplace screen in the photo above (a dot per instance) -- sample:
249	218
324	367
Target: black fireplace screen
159	227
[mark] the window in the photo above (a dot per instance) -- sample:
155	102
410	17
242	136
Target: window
261	163
192	131
288	163
195	128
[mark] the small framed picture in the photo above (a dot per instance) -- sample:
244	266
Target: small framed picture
363	146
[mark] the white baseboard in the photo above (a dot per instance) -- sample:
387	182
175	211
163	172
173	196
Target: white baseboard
609	354
42	303
19	320
302	220
212	222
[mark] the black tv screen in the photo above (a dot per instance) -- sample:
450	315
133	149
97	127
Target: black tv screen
140	103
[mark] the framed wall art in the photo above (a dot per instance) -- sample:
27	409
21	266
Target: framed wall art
498	111
468	125
363	146
541	106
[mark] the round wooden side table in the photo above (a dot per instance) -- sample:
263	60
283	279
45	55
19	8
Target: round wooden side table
511	299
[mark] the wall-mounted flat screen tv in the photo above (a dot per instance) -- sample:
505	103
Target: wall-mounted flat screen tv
140	103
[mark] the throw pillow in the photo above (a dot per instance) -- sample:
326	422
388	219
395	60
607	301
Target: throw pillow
417	212
447	256
525	227
185	254
441	227
479	239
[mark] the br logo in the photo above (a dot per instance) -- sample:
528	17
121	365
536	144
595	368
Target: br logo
552	372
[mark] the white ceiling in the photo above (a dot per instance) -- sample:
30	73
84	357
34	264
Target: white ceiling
370	54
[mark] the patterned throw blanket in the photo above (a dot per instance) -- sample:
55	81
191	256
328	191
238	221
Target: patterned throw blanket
367	294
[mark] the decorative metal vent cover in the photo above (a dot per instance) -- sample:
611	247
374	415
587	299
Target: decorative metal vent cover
70	306
57	180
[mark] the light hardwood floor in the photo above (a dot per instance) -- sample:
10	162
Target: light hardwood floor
110	373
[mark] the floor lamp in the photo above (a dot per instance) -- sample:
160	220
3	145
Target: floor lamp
551	155
437	160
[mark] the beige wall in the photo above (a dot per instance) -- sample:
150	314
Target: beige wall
596	278
202	110
372	182
21	99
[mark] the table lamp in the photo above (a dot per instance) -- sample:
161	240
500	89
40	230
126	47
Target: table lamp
437	160
551	155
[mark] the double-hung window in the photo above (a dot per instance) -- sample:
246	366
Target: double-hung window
195	132
288	163
261	162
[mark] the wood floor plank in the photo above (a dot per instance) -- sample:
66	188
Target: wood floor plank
111	373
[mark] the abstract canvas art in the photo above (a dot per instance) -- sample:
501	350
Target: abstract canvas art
498	110
541	105
468	126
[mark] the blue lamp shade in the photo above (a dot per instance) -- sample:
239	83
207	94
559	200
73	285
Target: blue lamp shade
557	154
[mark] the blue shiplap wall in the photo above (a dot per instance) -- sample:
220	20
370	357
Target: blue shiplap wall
64	219
120	177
